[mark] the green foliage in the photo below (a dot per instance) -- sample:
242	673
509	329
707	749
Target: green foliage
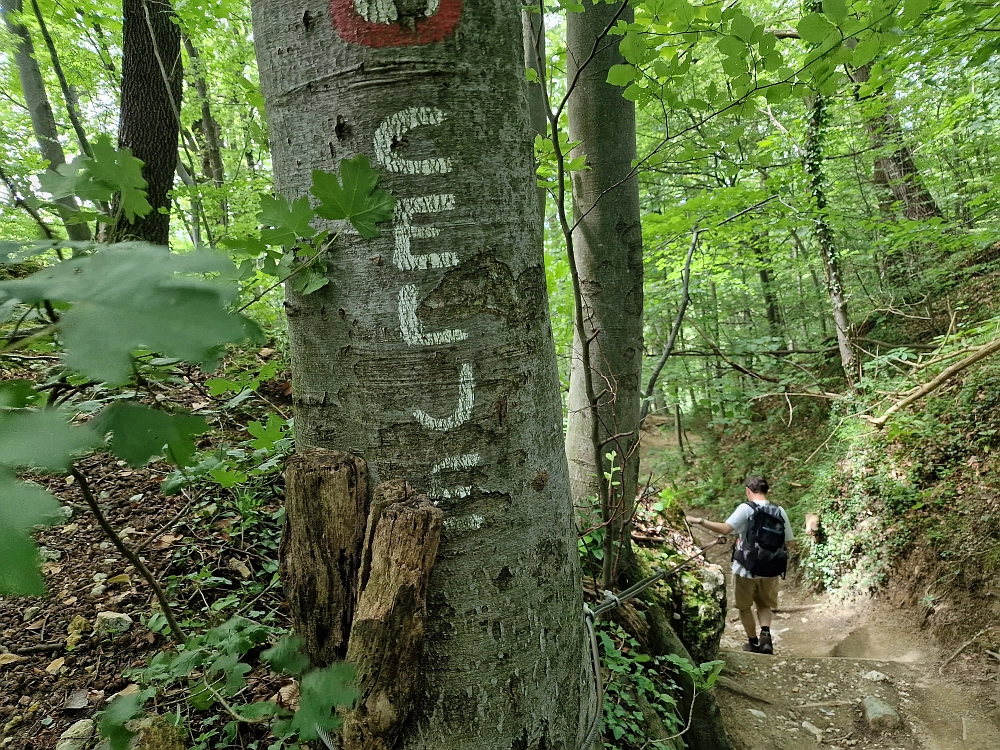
99	178
638	682
354	196
138	433
22	507
131	296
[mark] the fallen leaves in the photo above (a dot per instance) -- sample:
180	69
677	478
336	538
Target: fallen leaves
56	665
6	659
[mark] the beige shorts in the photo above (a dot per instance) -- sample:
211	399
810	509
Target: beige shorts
760	591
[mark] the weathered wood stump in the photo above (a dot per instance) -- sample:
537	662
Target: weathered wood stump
326	512
356	575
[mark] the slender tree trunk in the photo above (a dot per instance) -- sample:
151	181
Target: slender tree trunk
533	29
434	359
152	75
760	248
608	245
824	232
69	95
35	97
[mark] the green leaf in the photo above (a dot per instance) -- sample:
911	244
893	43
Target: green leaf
266	436
353	197
732	46
17	394
866	50
743	27
122	172
319	692
138	433
133	295
621	75
814	28
835	9
123	709
633	48
42	439
912	10
22	506
288	656
531	74
289	222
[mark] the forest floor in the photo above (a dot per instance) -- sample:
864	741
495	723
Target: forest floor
830	655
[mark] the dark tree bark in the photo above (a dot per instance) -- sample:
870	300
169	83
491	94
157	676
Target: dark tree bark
39	108
760	247
149	123
608	248
430	353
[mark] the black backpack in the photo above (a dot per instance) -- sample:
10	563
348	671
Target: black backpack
763	552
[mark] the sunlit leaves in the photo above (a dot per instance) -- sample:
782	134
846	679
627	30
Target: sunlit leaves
129	296
354	196
98	179
138	433
815	28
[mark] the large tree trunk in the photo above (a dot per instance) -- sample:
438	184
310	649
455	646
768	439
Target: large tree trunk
824	233
895	168
37	100
608	245
152	75
434	360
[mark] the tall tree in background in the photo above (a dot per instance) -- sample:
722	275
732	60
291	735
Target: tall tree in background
434	360
813	165
37	100
607	242
533	29
152	75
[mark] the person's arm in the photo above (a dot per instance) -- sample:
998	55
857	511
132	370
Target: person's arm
713	526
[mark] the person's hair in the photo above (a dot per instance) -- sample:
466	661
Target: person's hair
757	485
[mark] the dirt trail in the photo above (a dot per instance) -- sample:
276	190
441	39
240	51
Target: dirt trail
829	656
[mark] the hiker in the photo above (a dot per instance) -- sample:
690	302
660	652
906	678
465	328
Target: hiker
759	558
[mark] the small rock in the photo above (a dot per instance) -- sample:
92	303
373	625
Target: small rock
45	554
77	699
878	714
874	676
98	590
814	730
100	577
76	630
77	737
758	714
156	733
29	613
111	624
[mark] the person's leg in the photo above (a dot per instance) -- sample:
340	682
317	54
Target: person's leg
766	599
743	593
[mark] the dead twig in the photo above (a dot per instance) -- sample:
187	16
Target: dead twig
962	648
734	687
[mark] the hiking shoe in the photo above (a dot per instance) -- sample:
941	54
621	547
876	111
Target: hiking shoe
766	645
753	648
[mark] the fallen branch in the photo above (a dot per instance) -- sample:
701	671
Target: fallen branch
824	704
734	687
947	374
962	648
40	649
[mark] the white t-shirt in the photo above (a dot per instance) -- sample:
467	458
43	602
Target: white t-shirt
740	519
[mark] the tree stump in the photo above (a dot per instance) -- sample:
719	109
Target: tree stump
387	636
326	513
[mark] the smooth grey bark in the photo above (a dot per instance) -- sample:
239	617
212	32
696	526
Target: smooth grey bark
607	240
813	164
533	30
430	353
39	108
